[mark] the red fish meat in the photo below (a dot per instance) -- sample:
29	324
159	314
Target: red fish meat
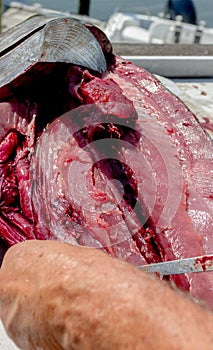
143	194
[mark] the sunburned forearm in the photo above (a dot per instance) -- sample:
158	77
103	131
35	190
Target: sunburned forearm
134	311
55	296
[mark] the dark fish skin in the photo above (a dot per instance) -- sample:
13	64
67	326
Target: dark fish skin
67	40
16	35
52	40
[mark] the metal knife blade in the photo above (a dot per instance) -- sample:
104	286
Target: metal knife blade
201	263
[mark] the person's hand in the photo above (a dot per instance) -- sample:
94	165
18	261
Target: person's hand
56	296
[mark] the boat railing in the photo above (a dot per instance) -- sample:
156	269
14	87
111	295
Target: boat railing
171	32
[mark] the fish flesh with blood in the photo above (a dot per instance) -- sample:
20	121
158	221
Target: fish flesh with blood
108	159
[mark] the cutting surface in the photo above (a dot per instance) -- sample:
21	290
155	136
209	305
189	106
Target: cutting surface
197	95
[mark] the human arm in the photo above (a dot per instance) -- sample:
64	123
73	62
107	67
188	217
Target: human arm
56	296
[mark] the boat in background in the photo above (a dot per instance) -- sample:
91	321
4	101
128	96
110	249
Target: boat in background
176	25
139	28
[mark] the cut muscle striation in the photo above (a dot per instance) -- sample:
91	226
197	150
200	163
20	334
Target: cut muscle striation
113	161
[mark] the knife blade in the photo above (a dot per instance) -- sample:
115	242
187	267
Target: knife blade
201	263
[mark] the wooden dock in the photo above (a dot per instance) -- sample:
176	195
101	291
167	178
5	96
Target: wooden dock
128	49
